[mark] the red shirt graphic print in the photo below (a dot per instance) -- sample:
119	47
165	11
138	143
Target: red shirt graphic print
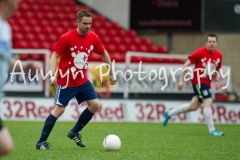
74	51
202	58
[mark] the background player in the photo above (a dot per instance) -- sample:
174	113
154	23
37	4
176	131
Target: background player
202	57
7	8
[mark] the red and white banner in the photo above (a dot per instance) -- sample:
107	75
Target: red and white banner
118	110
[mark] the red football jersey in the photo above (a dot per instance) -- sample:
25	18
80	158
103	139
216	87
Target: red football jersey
74	50
202	58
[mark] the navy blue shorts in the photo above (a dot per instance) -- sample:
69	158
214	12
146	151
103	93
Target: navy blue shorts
82	93
202	92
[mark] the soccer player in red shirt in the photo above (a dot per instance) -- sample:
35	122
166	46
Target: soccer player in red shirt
204	58
74	49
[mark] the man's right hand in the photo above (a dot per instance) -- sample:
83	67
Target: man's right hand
180	85
52	80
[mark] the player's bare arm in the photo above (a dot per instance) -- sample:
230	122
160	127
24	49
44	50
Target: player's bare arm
53	67
181	82
218	77
106	59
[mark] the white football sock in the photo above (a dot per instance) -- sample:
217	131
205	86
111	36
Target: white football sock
181	109
207	112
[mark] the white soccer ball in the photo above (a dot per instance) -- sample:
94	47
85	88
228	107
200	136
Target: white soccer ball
111	142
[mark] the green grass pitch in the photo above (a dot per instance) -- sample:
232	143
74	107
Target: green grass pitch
148	141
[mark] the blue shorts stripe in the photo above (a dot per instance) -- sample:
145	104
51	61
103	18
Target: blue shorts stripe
57	94
202	92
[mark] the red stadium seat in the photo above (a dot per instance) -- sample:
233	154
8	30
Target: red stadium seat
51	38
37	15
60	16
66	2
44	45
20	44
23	7
135	40
141	48
44	8
52	24
40	37
115	25
28	37
15	28
31	22
65	9
98	17
120	32
30	1
146	60
11	21
115	40
222	97
43	23
96	24
36	30
48	15
125	40
24	29
57	31
24	57
120	48
178	61
118	57
72	24
158	60
145	41
111	32
70	17
105	24
47	30
105	40
36	57
167	60
56	9
152	48
63	24
17	37
110	48
17	15
33	7
162	49
32	45
131	33
100	32
135	59
131	47
20	22
26	15
95	57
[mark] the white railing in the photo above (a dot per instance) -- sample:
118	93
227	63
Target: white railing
45	52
